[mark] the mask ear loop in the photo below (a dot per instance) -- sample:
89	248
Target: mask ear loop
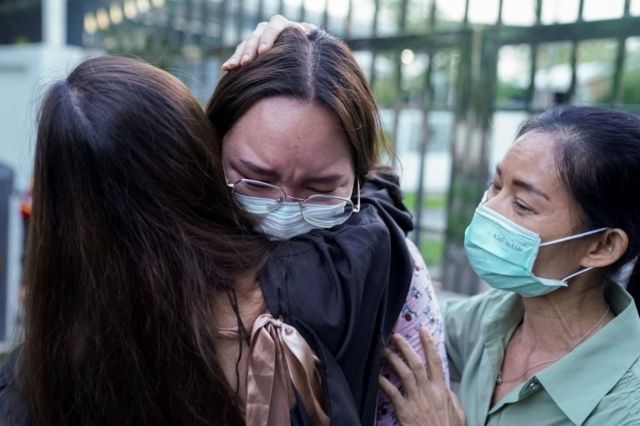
573	237
575	274
569	238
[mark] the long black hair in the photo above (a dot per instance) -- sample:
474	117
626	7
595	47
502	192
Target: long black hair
133	236
598	157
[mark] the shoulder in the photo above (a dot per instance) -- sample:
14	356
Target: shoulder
465	321
421	278
364	230
415	252
421	302
621	406
471	309
345	254
330	273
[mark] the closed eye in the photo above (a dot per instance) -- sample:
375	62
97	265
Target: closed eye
322	191
494	186
522	208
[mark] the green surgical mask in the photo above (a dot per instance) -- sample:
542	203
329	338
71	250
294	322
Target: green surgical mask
503	254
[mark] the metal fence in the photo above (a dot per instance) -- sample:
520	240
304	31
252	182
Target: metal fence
442	74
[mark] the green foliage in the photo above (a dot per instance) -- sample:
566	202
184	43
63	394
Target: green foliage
551	54
597	51
631	88
630	91
432	250
385	92
384	86
507	93
466	192
429	201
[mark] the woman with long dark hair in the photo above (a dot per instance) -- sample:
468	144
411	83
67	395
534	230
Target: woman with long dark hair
133	241
144	294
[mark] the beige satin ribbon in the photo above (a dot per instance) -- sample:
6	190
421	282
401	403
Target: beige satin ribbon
279	357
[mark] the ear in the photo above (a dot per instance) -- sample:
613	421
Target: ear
607	249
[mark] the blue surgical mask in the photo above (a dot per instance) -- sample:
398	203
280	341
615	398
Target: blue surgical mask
287	221
503	254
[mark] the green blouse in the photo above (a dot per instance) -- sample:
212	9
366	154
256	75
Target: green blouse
598	383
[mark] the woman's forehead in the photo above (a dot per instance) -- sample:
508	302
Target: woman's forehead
537	149
532	159
287	168
282	133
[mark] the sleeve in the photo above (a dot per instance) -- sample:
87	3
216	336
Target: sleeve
621	406
420	310
462	327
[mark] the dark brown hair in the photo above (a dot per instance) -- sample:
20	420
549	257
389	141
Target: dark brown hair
133	235
598	159
316	68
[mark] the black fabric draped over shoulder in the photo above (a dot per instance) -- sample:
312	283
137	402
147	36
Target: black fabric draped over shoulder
343	289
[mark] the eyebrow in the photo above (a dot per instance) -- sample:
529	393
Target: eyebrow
525	185
255	168
263	171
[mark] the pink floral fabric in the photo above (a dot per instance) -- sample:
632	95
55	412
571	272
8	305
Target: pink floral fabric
420	310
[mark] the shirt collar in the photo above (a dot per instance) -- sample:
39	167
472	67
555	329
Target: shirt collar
578	381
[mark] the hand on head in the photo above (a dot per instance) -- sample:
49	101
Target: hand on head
262	39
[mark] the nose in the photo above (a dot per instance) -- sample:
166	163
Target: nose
499	203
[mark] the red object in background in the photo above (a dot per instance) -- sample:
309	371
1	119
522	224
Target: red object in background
25	204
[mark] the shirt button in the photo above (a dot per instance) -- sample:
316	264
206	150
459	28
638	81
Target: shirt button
533	386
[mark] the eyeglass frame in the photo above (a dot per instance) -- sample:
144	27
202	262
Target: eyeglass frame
301	201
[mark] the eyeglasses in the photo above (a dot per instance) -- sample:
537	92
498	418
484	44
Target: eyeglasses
317	209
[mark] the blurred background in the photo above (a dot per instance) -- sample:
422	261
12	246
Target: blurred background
453	79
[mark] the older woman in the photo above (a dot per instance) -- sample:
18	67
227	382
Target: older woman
557	341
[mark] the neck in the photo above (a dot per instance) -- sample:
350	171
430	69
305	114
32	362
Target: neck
558	321
249	300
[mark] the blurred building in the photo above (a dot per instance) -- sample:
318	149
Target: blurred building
453	79
33	51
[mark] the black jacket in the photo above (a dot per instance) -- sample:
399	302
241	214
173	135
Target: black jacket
342	288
